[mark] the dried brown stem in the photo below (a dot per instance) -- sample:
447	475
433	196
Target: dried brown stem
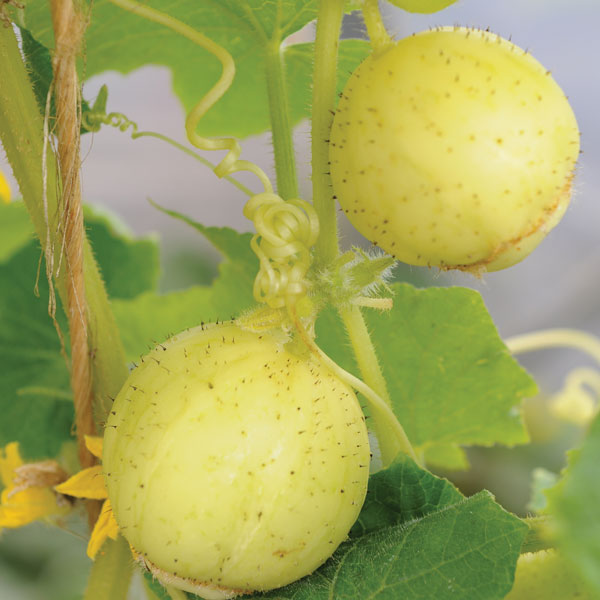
69	25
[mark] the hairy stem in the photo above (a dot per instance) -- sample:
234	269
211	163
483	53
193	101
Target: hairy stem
391	439
21	132
281	130
324	86
364	351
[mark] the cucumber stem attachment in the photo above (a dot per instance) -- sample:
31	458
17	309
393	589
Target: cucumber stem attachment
376	30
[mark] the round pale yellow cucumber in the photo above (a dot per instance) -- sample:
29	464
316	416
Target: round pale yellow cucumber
454	148
233	465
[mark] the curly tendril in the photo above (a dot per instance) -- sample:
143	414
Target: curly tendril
285	233
92	120
286	230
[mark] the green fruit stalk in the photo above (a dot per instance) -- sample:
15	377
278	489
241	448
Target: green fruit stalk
232	464
422	6
454	148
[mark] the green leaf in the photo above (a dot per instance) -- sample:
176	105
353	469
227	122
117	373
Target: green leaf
464	550
152	318
422	6
129	266
119	40
575	505
15	227
34	388
446	456
35	396
450	377
400	493
39	66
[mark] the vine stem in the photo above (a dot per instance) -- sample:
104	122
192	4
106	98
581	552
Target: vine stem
375	28
364	351
555	338
281	130
370	371
68	32
390	433
329	22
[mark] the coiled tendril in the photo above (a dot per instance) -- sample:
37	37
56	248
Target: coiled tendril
92	120
286	230
285	233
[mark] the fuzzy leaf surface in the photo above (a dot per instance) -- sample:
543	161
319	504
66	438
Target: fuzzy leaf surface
575	505
400	493
451	379
121	41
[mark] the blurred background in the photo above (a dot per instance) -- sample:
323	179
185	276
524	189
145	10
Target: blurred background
557	286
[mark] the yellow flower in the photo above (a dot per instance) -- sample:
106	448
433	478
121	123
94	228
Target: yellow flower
89	483
4	189
28	495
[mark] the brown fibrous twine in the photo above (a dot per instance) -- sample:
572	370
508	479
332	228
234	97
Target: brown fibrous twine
69	25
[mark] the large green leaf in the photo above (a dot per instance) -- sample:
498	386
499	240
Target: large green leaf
575	505
118	40
450	377
16	229
35	396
